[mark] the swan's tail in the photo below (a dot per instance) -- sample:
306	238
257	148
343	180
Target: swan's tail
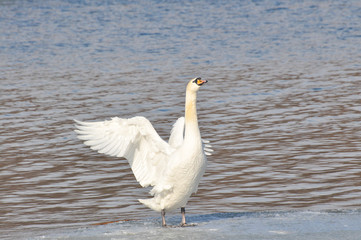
160	193
151	203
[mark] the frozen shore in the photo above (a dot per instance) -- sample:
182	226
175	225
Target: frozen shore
249	225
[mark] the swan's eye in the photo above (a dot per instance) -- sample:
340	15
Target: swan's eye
196	80
199	81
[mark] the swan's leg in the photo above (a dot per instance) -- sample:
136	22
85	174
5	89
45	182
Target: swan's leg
183	211
163	218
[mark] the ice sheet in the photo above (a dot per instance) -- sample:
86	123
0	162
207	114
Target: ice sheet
295	225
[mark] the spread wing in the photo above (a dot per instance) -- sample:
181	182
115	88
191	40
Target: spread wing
207	148
177	136
133	138
177	133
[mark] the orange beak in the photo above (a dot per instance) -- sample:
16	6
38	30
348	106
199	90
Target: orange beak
200	82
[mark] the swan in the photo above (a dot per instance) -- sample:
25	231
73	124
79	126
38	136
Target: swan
173	169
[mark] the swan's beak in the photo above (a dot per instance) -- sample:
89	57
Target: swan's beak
200	82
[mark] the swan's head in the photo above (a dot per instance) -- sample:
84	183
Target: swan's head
195	84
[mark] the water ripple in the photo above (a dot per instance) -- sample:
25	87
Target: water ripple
281	108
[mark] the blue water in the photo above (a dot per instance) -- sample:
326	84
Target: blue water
164	36
281	109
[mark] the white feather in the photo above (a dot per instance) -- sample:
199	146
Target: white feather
134	139
173	169
177	133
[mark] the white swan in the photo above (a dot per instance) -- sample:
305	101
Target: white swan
173	169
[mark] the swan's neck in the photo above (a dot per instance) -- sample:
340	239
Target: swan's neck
191	121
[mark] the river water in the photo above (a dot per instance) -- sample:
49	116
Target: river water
281	109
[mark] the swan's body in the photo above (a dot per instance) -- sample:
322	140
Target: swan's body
173	169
